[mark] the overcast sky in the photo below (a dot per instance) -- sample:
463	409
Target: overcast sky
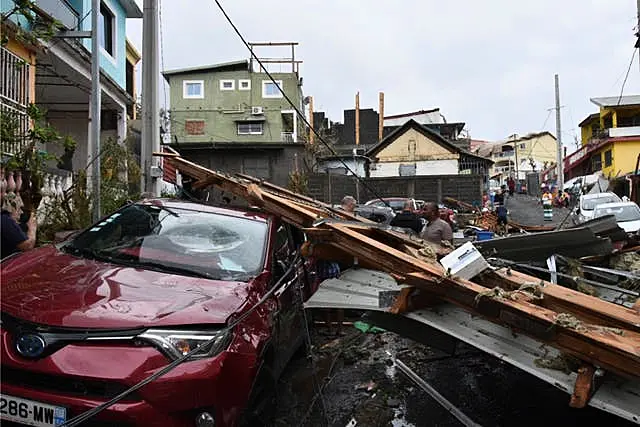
488	63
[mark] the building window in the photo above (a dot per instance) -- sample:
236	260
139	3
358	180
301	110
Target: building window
250	128
596	163
523	146
193	89
270	90
244	84
194	127
608	158
106	30
227	84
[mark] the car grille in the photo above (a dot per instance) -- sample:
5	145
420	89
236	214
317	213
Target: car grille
66	385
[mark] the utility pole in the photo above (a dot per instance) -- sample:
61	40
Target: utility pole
559	159
515	151
151	176
381	115
638	29
95	107
312	136
358	118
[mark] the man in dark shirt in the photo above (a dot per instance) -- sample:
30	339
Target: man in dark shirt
407	219
12	237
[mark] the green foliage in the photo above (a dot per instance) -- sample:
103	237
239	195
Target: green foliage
39	27
298	182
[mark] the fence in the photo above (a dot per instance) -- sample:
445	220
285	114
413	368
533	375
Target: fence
332	188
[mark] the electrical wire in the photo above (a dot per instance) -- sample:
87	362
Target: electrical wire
77	420
297	110
624	82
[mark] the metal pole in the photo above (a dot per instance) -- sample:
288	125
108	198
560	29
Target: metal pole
151	182
559	159
94	134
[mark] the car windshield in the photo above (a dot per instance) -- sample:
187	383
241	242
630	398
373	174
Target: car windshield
590	204
180	241
622	213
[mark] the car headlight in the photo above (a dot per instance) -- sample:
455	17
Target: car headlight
177	343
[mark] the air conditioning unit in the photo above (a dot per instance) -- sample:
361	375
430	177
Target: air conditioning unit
257	111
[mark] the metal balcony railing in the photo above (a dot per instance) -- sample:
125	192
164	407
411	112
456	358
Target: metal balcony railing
286	137
15	85
59	10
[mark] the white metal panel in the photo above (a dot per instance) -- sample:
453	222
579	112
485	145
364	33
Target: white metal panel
625	131
359	289
423	168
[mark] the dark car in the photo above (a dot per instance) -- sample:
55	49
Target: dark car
89	318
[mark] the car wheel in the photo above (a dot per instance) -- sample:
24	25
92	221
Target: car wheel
261	407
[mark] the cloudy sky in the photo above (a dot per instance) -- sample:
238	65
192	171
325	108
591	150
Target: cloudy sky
488	63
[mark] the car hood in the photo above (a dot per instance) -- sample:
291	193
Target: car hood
49	287
630	226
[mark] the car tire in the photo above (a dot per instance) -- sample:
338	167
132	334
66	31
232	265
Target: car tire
261	407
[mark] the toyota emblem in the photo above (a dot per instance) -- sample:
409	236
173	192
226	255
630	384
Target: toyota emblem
30	345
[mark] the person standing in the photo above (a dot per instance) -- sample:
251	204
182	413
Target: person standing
511	183
348	204
437	230
12	237
408	218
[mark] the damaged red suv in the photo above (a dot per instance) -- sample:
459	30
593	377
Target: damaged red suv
87	319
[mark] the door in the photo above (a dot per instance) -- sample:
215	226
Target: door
289	325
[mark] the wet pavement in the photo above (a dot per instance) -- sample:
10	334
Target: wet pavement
362	384
527	210
352	378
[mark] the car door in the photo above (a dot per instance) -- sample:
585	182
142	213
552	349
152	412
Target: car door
289	325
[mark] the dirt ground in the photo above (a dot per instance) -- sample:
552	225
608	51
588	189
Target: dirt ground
351	380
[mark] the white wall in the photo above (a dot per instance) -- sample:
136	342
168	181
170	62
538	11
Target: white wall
424	167
358	167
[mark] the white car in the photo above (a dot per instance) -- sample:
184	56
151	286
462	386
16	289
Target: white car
588	203
627	214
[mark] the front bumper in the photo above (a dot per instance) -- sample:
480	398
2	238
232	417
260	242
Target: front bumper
84	375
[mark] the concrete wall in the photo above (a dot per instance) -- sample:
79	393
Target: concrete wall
359	166
412	146
273	164
221	109
332	188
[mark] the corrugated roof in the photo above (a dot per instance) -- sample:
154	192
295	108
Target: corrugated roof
233	65
613	101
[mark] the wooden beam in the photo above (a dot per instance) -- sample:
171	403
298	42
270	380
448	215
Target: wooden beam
585	307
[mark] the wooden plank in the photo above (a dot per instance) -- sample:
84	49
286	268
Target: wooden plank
594	344
587	308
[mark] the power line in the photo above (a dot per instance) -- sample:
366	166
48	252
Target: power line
295	107
627	75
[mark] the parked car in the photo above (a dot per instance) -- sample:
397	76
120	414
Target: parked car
379	214
395	203
86	319
627	214
398	203
588	202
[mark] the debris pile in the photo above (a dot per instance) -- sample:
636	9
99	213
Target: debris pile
574	323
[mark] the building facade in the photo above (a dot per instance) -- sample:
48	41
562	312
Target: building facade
232	118
610	139
58	76
518	156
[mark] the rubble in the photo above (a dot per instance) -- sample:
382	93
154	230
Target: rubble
564	318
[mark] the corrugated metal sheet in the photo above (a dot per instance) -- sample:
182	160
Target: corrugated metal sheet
360	289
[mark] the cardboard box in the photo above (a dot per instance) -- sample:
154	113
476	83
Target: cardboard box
465	262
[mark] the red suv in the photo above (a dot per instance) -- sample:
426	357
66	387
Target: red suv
87	319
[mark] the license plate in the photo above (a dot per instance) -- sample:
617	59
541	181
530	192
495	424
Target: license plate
30	412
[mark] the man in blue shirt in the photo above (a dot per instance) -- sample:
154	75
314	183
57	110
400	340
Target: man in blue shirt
12	237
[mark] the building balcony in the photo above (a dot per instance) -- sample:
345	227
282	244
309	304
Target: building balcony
287	137
58	10
621	132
